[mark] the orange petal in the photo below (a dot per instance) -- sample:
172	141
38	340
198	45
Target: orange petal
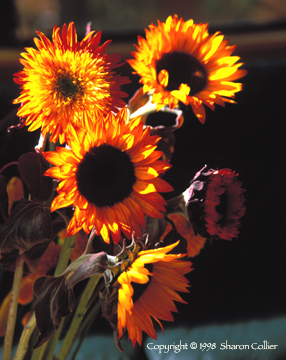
26	291
163	77
15	191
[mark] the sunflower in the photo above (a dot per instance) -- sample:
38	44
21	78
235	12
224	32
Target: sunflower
215	203
147	289
180	61
110	176
65	80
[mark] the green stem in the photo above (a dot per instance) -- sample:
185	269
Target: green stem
78	316
8	342
25	337
84	329
65	255
50	345
39	352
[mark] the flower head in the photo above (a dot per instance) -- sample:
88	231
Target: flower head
180	61
110	176
147	289
64	81
215	203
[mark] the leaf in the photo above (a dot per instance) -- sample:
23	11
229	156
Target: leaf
55	300
92	265
8	261
3	199
32	167
55	296
32	257
28	225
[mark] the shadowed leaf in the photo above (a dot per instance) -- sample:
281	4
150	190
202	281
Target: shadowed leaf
32	167
55	299
33	256
55	296
27	226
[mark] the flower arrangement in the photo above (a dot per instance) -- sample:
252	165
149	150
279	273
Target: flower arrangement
95	214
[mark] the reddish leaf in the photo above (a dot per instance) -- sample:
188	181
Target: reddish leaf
89	265
55	296
33	256
55	300
32	167
28	225
8	261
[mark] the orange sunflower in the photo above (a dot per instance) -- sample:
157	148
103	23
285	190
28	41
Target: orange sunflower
110	176
180	61
65	80
155	277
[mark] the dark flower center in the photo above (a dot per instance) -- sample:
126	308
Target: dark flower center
68	86
139	289
105	176
183	69
222	208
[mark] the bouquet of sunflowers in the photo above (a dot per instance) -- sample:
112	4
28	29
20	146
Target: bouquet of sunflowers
94	214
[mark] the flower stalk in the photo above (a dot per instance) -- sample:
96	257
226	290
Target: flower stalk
78	316
23	346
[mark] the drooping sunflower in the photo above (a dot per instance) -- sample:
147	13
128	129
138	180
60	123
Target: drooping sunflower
110	176
65	80
147	289
180	61
215	203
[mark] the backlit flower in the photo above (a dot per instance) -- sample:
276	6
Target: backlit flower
111	177
65	81
215	203
180	61
147	289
